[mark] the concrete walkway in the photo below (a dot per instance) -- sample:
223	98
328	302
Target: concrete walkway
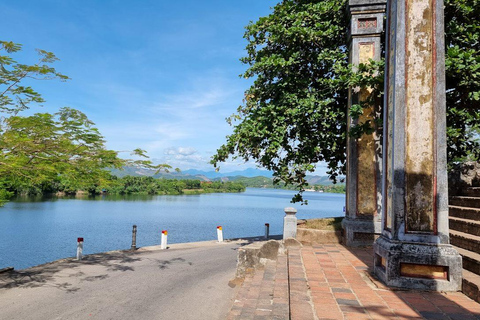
333	282
188	281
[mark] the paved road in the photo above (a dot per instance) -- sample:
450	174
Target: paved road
189	282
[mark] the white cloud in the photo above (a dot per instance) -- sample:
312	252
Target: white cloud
188	151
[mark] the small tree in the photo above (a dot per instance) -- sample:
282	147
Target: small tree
39	148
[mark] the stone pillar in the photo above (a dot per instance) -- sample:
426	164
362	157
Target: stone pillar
362	223
290	223
413	250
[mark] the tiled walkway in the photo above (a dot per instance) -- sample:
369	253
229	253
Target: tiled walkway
264	295
333	282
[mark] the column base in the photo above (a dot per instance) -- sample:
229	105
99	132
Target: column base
422	266
360	232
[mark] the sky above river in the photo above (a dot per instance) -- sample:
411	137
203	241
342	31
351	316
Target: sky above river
152	74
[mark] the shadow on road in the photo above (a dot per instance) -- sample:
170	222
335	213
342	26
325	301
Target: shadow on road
43	275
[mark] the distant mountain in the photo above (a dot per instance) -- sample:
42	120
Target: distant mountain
249	173
264	182
137	172
323	180
263	177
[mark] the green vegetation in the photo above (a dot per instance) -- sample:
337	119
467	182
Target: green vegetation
322	224
41	150
131	185
150	185
294	114
337	188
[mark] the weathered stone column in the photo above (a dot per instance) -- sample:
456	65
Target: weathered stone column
414	249
364	164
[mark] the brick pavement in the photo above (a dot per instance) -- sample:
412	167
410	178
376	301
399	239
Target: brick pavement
263	294
333	282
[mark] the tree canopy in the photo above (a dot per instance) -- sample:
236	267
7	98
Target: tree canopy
294	114
41	147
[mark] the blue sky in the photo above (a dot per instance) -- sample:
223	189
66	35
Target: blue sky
152	74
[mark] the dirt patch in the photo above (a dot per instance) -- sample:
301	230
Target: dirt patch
334	224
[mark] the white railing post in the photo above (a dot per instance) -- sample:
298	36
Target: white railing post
163	243
220	234
79	248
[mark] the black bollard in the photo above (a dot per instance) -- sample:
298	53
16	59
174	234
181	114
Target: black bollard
134	237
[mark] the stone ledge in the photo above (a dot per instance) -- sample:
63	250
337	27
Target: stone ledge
256	255
7	269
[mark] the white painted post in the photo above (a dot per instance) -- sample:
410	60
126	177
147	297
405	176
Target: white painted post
79	248
267	230
163	244
290	223
220	234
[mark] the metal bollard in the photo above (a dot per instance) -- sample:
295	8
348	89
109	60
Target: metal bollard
267	230
134	237
220	234
79	248
163	243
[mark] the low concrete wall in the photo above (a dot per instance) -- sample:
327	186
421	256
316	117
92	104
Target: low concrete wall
314	236
256	255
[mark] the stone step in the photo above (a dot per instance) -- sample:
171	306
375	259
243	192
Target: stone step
471	260
465	225
471	192
465	241
462	201
464	212
471	285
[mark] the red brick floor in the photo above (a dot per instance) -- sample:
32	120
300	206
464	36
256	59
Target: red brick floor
333	282
264	294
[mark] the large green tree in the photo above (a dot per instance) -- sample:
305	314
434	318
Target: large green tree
43	147
462	68
294	113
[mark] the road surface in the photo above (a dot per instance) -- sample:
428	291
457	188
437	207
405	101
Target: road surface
189	281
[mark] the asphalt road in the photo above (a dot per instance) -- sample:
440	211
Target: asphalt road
186	282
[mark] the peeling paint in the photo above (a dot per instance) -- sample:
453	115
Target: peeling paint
419	164
366	195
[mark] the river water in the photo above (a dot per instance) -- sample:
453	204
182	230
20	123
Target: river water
36	231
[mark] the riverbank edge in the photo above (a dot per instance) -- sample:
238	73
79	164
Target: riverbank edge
174	246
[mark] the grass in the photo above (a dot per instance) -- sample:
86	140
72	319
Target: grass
322	224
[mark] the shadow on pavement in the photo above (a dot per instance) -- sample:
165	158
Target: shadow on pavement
43	275
422	304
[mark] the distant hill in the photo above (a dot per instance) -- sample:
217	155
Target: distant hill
323	180
250	172
251	182
136	172
251	177
266	182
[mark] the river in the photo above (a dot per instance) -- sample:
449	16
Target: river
36	231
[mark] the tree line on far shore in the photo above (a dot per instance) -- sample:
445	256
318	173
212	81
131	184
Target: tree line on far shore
128	185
